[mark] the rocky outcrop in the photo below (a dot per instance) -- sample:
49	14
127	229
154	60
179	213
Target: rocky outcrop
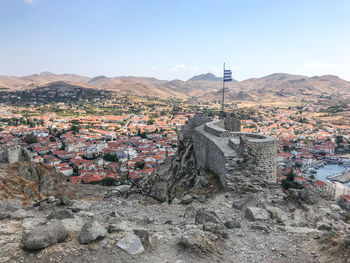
32	182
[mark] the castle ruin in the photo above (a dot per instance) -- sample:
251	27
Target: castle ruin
220	146
13	153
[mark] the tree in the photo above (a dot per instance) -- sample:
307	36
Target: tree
110	157
30	138
289	182
339	139
140	165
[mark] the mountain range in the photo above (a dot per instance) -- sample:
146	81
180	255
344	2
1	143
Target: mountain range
204	87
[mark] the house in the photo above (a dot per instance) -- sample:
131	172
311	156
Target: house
38	159
344	202
67	171
336	190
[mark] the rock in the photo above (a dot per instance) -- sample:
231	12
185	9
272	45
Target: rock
293	193
131	244
186	199
198	240
64	200
260	227
324	227
4	215
245	201
73	224
200	198
203	216
122	188
91	231
114	214
175	201
256	213
60	214
21	214
203	181
278	214
123	226
217	229
309	195
302	230
335	216
190	212
45	236
144	236
347	242
232	224
51	199
80	206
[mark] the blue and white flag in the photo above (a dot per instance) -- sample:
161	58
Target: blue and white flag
227	75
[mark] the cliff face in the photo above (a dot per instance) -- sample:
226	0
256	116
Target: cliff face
31	182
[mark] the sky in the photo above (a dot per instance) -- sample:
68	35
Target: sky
170	39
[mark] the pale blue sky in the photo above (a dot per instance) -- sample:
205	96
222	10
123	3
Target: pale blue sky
171	39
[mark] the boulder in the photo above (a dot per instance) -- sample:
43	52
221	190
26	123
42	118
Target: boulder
232	224
217	229
203	216
198	240
256	213
64	200
45	236
144	236
278	214
73	224
60	214
131	244
91	231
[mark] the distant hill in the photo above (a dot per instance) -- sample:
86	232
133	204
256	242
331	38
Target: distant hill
277	87
205	77
58	91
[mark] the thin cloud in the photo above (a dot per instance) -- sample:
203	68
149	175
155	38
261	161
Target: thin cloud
183	67
28	2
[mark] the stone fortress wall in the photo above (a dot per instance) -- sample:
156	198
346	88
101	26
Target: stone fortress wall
220	144
13	153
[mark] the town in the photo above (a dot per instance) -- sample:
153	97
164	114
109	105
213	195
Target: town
93	143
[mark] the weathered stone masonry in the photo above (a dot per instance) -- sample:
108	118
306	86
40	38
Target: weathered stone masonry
12	154
219	144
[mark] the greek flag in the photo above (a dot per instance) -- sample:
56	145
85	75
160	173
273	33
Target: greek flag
227	75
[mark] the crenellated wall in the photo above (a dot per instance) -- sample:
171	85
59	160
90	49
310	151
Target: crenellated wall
216	147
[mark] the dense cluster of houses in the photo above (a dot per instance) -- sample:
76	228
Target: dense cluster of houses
136	143
304	143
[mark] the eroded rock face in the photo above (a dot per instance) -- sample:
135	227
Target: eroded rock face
45	236
91	231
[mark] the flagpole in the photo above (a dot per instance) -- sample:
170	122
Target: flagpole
223	90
